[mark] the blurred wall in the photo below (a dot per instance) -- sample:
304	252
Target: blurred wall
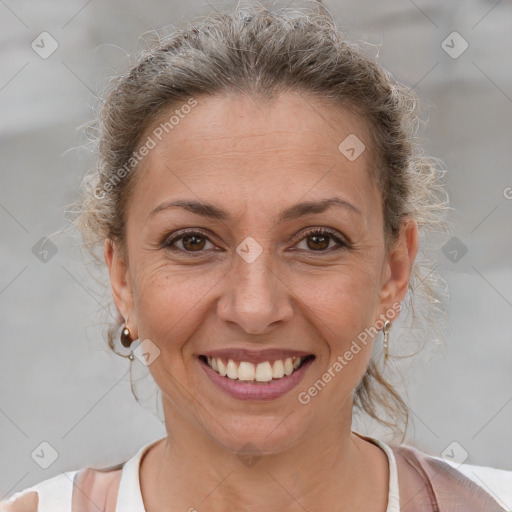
58	382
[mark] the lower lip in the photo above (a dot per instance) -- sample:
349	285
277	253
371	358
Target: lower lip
244	390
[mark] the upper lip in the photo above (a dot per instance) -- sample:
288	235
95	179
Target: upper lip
252	356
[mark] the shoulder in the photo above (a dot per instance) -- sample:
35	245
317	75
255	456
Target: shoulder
75	490
97	486
468	487
496	481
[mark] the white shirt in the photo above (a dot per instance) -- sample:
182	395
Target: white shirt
55	494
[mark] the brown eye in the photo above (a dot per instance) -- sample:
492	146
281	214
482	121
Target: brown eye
191	241
319	240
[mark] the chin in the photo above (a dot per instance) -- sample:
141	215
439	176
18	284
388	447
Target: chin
262	434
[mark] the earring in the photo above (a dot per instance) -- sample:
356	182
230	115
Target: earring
126	339
386	329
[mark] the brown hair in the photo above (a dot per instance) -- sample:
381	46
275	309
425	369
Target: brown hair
260	52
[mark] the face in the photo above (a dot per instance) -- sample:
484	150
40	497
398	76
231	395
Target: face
250	236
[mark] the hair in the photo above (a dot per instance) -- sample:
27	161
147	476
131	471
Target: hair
260	52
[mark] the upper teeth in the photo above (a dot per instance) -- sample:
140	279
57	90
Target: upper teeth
262	372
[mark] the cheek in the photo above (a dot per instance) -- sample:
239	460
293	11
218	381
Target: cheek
169	302
168	307
343	307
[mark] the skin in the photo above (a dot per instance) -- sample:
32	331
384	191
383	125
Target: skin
254	160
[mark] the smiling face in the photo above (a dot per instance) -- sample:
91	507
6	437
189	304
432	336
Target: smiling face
251	237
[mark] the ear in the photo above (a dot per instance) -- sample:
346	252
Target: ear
120	283
398	267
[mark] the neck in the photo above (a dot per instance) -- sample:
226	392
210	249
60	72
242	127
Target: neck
332	468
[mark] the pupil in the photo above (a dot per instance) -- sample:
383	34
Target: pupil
315	239
195	244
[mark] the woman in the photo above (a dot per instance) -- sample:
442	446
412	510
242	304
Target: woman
259	197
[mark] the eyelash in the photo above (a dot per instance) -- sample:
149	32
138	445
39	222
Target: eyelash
168	242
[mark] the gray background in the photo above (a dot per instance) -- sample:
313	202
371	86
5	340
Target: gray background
58	381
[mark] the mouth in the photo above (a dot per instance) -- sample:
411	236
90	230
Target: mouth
266	375
264	371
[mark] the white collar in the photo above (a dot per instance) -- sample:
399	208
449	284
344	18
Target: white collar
130	494
129	498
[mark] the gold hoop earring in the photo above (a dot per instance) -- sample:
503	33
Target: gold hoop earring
386	329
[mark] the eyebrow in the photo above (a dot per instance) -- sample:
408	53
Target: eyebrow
294	212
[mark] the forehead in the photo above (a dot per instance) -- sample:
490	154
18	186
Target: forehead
230	147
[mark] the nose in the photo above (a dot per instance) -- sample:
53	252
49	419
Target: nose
255	297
